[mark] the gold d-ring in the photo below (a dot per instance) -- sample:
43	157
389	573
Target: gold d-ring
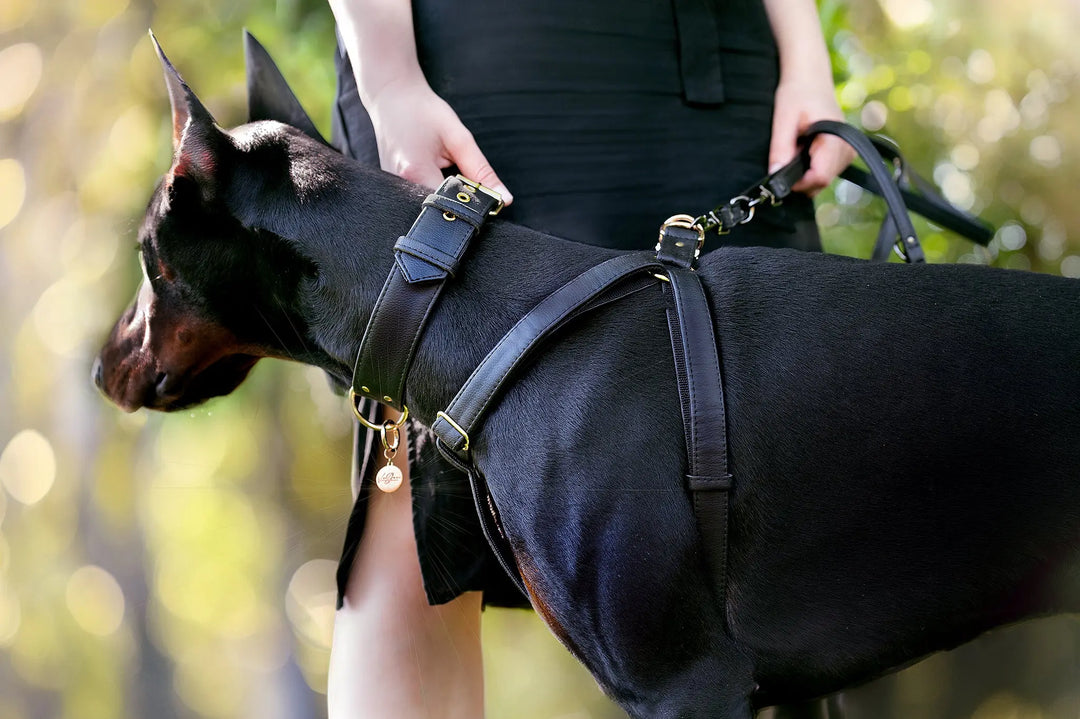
687	223
388	424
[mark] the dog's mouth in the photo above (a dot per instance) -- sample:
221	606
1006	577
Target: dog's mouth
132	387
166	358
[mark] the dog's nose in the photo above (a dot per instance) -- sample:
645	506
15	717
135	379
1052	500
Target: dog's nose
97	374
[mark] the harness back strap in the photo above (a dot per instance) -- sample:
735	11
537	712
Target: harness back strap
423	260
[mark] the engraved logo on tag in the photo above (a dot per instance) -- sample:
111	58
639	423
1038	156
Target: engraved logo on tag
388	479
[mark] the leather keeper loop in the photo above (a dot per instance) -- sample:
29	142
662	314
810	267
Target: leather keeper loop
421	250
424	258
707	484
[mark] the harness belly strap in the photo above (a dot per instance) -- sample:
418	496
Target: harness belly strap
701	396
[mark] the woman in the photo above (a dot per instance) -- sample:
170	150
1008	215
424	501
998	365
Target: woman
596	121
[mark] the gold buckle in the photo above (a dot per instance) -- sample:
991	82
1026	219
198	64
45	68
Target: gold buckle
353	397
477	187
457	428
687	223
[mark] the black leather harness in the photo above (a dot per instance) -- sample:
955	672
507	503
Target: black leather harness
433	249
431	252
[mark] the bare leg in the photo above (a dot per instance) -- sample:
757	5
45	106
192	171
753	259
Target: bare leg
393	654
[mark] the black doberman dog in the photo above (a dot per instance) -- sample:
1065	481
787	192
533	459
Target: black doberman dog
904	440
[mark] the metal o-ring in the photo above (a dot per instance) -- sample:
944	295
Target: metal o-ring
449	216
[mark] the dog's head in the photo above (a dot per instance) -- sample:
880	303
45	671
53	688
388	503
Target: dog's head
214	293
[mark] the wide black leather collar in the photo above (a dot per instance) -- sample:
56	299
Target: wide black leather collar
424	258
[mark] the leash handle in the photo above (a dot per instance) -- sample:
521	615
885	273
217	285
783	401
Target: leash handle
898	216
903	192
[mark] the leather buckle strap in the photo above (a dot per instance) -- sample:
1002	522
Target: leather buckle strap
424	259
680	243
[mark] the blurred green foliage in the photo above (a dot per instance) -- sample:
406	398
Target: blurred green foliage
182	566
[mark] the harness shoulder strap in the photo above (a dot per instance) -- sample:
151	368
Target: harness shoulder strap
467	409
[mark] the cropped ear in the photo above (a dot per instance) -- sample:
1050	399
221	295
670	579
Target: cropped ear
269	95
197	141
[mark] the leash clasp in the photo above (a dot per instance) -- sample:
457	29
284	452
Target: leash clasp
477	187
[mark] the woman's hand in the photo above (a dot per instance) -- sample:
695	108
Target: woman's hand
805	94
419	135
798	105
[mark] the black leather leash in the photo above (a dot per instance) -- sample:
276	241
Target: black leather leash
902	189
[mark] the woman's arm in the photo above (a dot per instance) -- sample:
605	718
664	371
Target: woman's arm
393	654
805	94
418	134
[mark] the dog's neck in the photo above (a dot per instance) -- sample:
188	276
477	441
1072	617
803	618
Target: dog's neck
344	218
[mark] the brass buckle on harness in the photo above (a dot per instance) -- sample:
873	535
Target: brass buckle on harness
457	428
686	222
477	187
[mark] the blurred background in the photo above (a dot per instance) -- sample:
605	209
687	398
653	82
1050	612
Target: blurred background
181	566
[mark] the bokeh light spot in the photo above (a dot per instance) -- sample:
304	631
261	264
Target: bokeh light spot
1070	266
12	190
919	62
1045	150
873	116
311	600
965	156
20	74
980	66
1012	236
60	328
95	600
900	99
28	467
906	14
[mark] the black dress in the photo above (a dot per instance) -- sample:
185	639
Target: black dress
604	119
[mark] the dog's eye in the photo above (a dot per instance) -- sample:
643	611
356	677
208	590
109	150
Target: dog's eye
142	266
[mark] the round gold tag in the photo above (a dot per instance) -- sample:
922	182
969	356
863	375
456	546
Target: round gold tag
388	479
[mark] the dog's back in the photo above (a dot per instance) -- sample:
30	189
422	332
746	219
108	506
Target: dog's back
904	442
